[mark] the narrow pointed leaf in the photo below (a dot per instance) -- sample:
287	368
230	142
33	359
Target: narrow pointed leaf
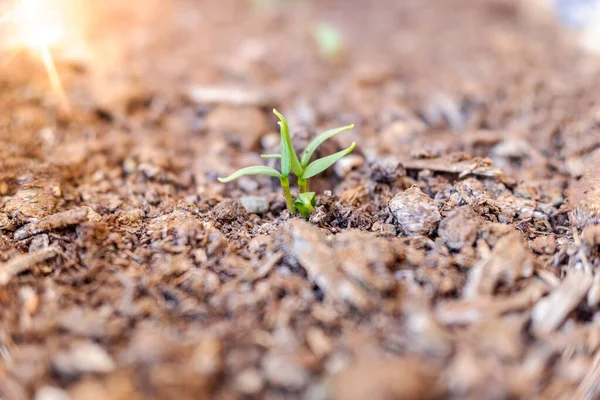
320	165
287	148
316	142
286	165
270	155
256	170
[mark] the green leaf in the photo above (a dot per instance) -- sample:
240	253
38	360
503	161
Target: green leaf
289	158
316	142
305	203
286	165
302	210
308	198
320	165
270	155
255	170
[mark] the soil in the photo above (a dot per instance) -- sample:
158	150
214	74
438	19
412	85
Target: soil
452	255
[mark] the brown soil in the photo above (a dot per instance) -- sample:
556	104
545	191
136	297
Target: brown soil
441	261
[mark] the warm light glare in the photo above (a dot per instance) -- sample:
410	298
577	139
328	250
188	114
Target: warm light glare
38	26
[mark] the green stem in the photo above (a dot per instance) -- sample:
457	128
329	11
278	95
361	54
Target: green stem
285	184
303	184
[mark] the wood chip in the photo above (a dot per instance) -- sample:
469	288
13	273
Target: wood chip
589	388
509	260
471	310
550	312
476	166
307	246
56	221
22	263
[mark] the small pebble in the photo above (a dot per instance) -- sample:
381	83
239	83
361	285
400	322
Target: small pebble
249	382
284	371
255	204
82	358
384	228
459	228
415	212
386	170
347	164
229	210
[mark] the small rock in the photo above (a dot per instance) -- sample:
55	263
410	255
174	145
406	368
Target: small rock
284	371
386	170
415	212
397	134
39	242
246	124
544	245
248	184
229	210
249	382
384	228
82	358
470	190
255	204
347	164
459	228
51	393
444	110
270	141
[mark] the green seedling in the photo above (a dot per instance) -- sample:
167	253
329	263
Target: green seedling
301	167
305	203
329	41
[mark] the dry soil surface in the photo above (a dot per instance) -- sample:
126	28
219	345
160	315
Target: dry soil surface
453	255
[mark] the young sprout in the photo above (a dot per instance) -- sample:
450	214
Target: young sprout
329	41
305	203
301	167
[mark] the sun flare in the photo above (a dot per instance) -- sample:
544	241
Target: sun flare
38	26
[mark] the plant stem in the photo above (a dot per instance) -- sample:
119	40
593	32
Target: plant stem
303	183
285	184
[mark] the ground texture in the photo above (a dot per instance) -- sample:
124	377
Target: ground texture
453	255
